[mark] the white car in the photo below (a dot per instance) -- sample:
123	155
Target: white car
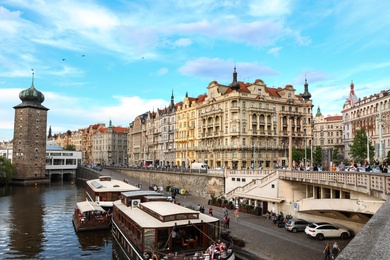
321	230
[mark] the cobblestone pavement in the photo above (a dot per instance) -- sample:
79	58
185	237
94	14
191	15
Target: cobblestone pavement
263	240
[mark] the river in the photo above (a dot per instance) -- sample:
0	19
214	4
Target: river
36	223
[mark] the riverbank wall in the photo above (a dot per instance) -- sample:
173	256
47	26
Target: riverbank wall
196	184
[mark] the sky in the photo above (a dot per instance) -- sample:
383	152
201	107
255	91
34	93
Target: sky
97	61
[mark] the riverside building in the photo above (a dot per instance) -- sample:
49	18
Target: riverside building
372	114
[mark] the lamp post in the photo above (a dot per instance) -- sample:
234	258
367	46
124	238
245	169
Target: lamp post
304	136
368	148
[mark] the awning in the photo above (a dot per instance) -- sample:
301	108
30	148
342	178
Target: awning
253	197
85	206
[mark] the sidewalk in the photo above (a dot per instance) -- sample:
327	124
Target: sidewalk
243	228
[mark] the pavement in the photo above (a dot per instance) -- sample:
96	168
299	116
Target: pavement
241	228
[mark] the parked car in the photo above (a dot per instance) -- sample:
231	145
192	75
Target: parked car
321	230
296	225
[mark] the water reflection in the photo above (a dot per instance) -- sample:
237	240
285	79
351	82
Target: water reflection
36	223
26	223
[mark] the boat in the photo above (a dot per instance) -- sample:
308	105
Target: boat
147	226
106	190
89	215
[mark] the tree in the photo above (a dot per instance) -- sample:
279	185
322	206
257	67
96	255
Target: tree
317	155
7	169
297	155
358	148
70	147
388	157
336	156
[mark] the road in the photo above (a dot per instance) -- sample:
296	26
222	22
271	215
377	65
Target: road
263	239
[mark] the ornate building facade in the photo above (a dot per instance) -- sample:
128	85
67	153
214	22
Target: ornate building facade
249	125
372	114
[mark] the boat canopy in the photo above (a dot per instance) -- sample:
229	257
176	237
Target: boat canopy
85	206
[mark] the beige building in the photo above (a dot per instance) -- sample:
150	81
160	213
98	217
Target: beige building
137	142
249	125
109	145
328	134
372	114
29	142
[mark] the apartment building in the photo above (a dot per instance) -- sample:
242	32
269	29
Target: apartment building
328	134
371	113
109	145
250	125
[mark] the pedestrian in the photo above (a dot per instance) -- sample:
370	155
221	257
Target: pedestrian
227	221
327	251
335	250
211	211
225	211
236	214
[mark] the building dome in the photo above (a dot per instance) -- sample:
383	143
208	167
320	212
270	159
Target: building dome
32	95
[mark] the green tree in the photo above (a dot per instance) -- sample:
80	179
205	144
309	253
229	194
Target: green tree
335	156
297	155
70	147
317	155
358	148
7	169
388	157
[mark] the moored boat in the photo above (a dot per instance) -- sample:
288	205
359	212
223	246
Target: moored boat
88	215
147	226
105	190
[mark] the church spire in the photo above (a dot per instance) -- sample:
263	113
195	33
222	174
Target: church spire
306	95
235	85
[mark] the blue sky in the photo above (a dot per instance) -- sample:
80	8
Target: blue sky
101	60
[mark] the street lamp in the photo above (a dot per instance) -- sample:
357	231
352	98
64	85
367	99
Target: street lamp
304	136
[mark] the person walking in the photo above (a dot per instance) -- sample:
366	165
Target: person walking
211	211
236	214
335	250
327	251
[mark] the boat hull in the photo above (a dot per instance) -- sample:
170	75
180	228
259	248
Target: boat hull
90	225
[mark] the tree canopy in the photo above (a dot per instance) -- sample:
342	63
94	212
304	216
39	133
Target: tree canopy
7	169
70	147
358	148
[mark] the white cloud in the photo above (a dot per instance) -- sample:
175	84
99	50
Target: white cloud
270	8
274	51
221	70
162	71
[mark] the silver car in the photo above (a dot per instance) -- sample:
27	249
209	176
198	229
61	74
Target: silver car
296	225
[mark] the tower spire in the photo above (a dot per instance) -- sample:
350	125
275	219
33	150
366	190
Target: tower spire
306	95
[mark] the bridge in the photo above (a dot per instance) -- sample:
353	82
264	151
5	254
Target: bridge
349	198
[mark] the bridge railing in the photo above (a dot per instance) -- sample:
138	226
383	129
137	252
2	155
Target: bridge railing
376	184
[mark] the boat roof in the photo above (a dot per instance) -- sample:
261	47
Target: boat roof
85	206
106	184
163	208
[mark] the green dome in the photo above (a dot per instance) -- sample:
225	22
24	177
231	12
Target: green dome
31	95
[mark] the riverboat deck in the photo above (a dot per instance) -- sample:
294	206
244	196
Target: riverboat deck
89	216
106	190
147	226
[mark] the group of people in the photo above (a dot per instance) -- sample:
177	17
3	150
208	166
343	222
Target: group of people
331	252
214	249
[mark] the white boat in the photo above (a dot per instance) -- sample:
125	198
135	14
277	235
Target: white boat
89	215
106	190
147	226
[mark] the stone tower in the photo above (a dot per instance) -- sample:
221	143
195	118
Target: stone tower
29	143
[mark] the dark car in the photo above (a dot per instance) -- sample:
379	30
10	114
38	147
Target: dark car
296	225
